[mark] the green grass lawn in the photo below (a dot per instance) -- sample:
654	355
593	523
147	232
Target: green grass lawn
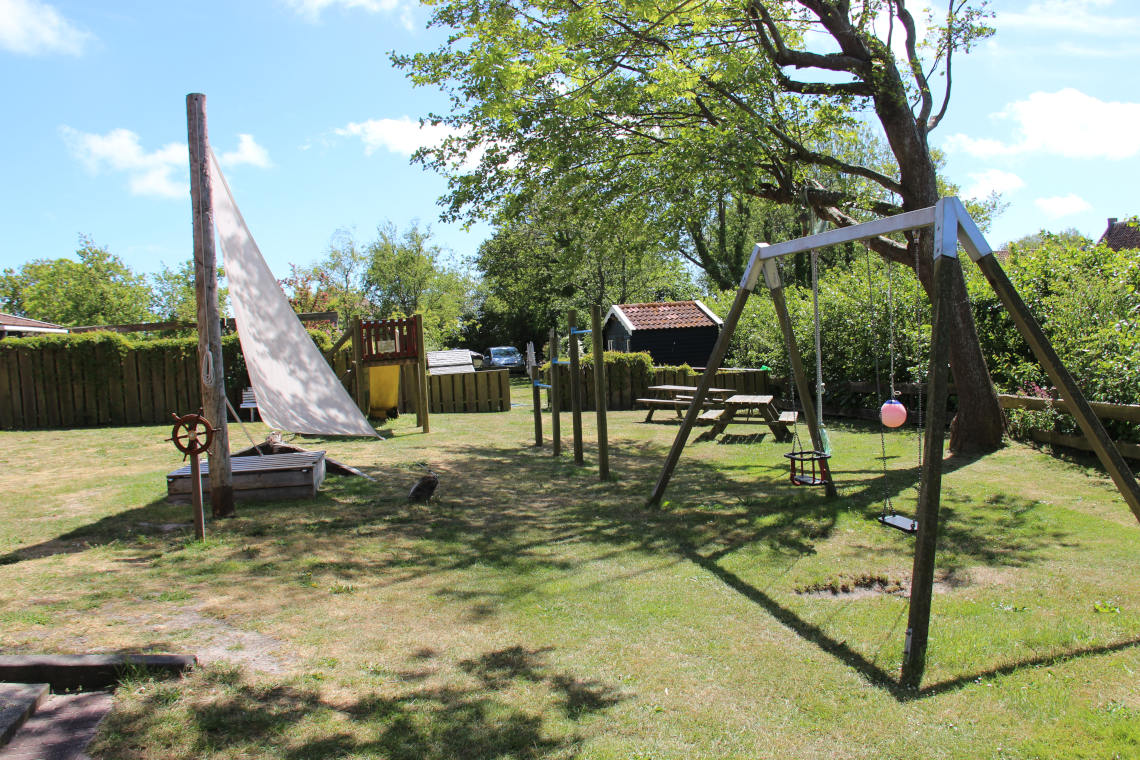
530	611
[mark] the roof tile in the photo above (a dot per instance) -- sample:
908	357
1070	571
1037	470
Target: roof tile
665	316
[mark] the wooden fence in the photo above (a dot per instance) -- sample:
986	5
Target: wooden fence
1121	412
55	387
488	391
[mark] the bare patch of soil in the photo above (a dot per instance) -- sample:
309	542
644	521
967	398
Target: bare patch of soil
221	641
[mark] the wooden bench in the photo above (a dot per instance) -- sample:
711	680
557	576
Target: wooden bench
663	403
745	409
249	401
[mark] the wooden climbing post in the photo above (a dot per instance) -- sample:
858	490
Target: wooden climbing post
555	395
575	386
422	383
358	379
212	373
535	394
601	396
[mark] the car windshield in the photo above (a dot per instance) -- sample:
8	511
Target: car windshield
505	353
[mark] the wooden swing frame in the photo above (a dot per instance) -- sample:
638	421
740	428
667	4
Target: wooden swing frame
952	226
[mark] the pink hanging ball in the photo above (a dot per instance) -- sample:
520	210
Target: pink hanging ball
893	414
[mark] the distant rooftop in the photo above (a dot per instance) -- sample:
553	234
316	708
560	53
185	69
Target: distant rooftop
1121	235
10	323
664	316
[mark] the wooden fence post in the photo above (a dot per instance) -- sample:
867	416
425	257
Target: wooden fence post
555	395
422	412
600	395
575	386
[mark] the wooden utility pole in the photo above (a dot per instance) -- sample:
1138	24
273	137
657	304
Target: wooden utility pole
575	387
601	395
210	327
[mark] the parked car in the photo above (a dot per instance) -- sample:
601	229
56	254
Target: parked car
504	357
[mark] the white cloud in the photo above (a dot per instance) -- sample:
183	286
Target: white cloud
248	152
992	181
402	135
1062	205
1071	17
311	9
161	173
148	173
1065	123
30	27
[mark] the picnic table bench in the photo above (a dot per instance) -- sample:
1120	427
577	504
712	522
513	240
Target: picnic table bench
679	398
756	410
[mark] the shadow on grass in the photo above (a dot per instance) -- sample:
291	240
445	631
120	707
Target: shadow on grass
230	716
508	510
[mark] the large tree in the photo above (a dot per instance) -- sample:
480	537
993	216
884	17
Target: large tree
553	251
407	273
759	97
98	289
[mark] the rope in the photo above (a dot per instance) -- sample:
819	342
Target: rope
796	445
891	325
207	368
241	424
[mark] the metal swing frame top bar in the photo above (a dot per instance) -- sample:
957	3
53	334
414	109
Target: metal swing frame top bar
953	226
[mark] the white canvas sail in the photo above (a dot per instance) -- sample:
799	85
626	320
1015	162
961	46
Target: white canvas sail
296	389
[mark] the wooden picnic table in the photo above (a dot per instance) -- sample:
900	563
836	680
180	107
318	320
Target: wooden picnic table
679	397
756	410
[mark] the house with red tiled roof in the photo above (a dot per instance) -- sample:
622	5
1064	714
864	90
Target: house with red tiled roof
676	332
1121	235
17	327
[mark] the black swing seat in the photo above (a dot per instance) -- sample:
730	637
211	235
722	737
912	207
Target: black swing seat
899	522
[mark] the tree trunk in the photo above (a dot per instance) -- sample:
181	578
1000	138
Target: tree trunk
977	427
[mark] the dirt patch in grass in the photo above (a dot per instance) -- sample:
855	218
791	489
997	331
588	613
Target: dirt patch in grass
219	641
855	587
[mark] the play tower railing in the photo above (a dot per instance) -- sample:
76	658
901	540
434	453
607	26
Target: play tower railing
391	341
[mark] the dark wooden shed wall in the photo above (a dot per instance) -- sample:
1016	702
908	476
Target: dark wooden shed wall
616	336
689	345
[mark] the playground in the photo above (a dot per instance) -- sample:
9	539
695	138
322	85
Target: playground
530	610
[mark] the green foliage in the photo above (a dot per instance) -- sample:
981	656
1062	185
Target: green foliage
1086	298
97	289
173	295
408	274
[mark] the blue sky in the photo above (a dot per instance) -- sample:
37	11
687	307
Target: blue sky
315	128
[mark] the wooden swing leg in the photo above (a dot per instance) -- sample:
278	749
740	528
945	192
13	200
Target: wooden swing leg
930	488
